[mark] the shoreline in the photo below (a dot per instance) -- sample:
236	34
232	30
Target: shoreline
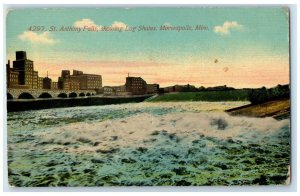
277	109
39	104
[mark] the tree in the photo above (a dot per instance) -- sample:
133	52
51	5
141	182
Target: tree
259	95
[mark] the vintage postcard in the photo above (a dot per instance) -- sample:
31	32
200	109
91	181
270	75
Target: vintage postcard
156	96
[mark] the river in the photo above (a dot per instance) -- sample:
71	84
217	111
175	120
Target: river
146	144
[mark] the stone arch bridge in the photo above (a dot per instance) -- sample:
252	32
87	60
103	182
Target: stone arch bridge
45	93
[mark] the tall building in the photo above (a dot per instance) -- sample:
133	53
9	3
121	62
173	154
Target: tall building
22	75
12	76
136	85
25	68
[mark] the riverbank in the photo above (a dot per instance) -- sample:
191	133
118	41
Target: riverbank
213	96
277	109
37	104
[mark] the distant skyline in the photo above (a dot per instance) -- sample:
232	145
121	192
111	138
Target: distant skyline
243	47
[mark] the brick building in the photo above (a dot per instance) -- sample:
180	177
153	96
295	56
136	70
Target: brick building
152	88
40	82
65	82
87	81
22	75
115	90
79	81
136	85
12	76
74	84
35	80
54	85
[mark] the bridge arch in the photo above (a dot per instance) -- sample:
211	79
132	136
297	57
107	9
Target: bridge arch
9	96
88	94
25	95
81	94
62	95
73	94
45	95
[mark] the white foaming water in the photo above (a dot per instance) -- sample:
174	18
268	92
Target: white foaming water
133	130
146	144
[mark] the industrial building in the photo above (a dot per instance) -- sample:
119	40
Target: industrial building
136	85
79	81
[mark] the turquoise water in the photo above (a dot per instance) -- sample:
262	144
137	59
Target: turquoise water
255	154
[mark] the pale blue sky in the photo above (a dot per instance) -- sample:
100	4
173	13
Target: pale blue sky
262	33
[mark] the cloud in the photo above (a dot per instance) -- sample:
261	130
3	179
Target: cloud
43	38
120	25
86	22
227	26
